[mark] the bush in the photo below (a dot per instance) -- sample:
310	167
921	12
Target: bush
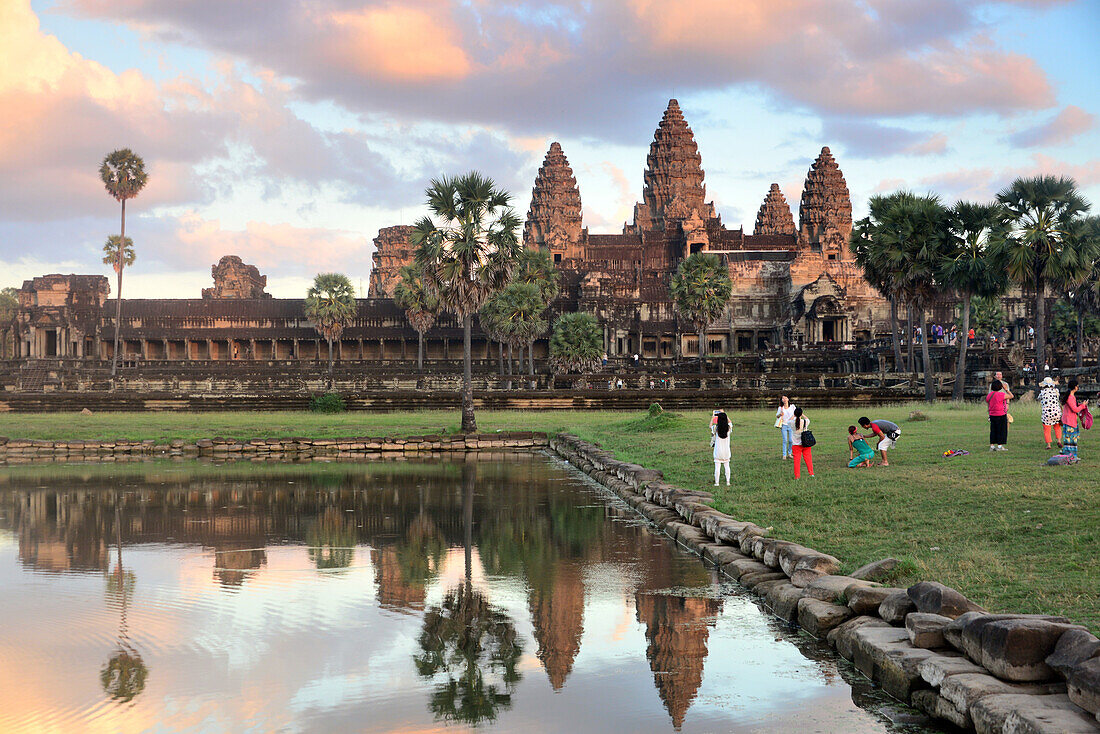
330	402
655	410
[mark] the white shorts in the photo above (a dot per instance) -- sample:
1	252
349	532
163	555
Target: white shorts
887	443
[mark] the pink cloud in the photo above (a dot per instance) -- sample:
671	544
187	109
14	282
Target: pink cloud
1066	125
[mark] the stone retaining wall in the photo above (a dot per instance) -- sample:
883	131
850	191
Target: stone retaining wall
927	645
16	451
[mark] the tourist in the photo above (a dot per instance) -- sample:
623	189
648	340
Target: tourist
885	431
859	453
1030	337
1051	410
970	336
802	452
997	401
720	439
635	360
603	360
1071	409
784	421
998	376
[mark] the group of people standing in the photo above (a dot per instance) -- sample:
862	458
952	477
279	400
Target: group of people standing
1061	414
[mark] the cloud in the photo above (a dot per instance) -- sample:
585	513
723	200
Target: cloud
867	139
983	183
606	68
1063	128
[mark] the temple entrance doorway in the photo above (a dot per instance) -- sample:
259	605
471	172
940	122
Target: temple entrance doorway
828	331
51	343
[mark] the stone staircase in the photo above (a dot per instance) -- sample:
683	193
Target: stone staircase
32	377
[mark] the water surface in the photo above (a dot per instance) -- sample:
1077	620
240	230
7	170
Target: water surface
408	596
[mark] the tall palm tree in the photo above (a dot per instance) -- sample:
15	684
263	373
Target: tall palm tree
969	268
576	344
866	249
123	175
330	304
420	305
1084	297
516	314
701	289
118	252
467	255
535	267
1038	247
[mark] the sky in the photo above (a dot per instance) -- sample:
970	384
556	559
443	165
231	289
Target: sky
289	131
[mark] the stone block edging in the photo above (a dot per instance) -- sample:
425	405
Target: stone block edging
23	451
927	646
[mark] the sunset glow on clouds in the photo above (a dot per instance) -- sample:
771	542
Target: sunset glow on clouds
289	131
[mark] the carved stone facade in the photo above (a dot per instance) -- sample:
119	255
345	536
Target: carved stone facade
392	252
825	214
774	216
233	278
554	219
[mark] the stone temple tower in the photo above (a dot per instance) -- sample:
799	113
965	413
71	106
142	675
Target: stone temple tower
554	219
774	216
825	214
674	189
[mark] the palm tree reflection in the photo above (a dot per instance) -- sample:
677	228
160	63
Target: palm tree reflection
331	540
123	677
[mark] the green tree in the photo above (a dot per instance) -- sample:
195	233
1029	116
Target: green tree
9	307
969	269
1039	246
576	343
466	256
330	304
701	290
865	248
986	315
516	314
119	254
1084	297
123	175
420	305
535	267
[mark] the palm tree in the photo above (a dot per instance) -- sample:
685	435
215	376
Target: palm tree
701	290
123	175
421	306
467	256
866	250
576	344
516	315
969	269
535	267
1039	248
330	304
1084	297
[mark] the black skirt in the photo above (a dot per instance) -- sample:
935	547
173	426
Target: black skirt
998	430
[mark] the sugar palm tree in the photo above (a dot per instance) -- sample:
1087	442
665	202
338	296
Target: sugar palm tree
576	343
701	289
123	175
1039	246
969	268
866	249
535	267
1084	297
466	254
421	306
118	252
330	304
516	314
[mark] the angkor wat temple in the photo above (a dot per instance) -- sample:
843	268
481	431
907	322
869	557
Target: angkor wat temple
793	285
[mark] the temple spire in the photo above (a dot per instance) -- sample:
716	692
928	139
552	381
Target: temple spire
674	187
825	213
554	219
774	216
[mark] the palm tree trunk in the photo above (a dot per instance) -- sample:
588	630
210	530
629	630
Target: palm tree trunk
331	378
1040	330
1080	338
469	423
511	364
420	352
957	394
531	358
702	349
894	333
500	352
911	365
468	516
118	297
929	387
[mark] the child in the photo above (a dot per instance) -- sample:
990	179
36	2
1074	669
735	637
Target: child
856	445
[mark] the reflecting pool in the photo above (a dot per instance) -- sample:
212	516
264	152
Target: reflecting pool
412	596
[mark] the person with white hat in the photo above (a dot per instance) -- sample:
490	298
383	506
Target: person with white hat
1051	409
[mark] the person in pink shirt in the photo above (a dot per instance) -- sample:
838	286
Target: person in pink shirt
997	401
1071	409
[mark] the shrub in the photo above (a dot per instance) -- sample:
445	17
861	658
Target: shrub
655	410
330	402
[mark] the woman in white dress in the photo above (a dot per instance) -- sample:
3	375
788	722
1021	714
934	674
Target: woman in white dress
721	442
784	421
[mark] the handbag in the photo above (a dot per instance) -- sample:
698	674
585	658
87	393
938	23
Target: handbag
1011	420
778	422
1086	419
808	439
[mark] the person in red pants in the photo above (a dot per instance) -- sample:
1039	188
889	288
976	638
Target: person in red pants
801	423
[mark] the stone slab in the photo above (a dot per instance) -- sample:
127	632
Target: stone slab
842	637
818	617
966	689
935	669
782	601
926	629
831	588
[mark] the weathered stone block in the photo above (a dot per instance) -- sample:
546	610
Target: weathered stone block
895	607
763	588
751	580
746	537
866	599
1054	717
935	669
723	554
737	569
966	689
831	588
792	559
885	656
1074	647
990	712
876	571
1016	649
926	630
782	601
1084	685
803	577
935	598
842	636
818	617
933	704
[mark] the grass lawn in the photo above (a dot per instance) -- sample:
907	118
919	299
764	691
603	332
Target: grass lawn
1010	532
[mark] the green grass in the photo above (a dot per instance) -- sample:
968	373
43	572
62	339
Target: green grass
1010	532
